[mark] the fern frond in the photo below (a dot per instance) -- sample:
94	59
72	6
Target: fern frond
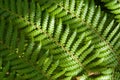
114	7
51	40
25	60
8	46
52	43
95	29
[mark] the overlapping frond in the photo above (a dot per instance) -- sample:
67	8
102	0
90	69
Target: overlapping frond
85	16
76	39
24	59
114	7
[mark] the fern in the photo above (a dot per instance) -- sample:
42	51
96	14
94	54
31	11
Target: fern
86	22
114	9
57	40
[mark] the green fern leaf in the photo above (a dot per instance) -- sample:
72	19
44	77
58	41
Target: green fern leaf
59	40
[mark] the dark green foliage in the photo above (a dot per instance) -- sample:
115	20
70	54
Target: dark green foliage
59	40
